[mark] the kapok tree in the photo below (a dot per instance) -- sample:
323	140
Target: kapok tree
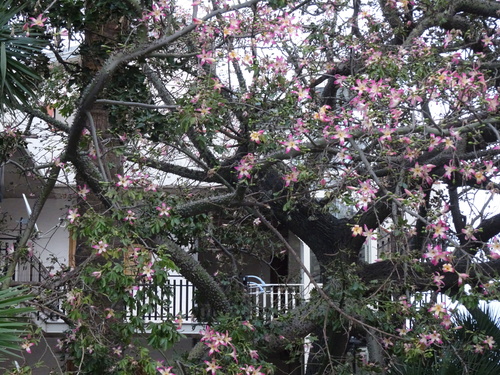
282	113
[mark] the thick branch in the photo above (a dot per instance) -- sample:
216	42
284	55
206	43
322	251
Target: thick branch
186	172
421	280
485	8
192	270
216	203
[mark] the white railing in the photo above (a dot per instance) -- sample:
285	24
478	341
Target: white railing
273	299
178	301
268	300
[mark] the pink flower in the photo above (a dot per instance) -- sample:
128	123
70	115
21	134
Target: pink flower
423	340
204	110
132	289
156	13
438	280
302	93
440	229
356	230
321	114
434	338
291	144
214	348
39	21
212	367
368	233
469	233
27	346
403	331
72	215
256	136
101	247
386	134
448	268
490	168
361	86
206	57
494	249
147	271
178	320
366	188
395	97
446	321
83	191
165	370
387	342
341	135
438	309
130	217
246	323
480	177
123	181
489	342
250	370
291	177
244	170
492	103
449	169
422	171
164	210
117	351
462	277
487	40
300	127
478	348
245	166
434	141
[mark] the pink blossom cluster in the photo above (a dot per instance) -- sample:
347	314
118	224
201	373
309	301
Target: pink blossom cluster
365	193
245	165
139	179
422	172
487	343
470	170
436	254
293	176
216	341
429	339
494	248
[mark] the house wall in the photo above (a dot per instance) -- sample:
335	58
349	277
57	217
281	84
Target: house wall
52	242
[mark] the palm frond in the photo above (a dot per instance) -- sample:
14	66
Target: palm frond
456	357
18	80
13	324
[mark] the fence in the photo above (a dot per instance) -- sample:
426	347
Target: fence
269	300
273	299
177	300
28	270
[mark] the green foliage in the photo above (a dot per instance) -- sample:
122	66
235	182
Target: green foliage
12	325
18	77
465	350
232	347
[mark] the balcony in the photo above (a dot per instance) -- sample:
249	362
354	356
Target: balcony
269	300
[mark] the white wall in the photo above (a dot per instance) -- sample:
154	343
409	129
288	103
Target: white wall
53	239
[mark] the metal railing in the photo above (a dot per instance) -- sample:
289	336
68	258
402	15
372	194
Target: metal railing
272	299
176	301
268	300
29	268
